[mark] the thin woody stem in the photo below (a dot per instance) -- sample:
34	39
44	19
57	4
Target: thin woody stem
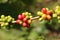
31	19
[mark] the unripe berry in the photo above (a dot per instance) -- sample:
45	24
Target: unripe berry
6	24
48	17
18	21
40	19
25	19
24	24
44	10
43	16
54	15
30	16
20	17
49	13
2	16
39	13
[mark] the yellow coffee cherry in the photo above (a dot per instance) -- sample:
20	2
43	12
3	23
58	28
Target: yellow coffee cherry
39	13
2	16
54	15
44	16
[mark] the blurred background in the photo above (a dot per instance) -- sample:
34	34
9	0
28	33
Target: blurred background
37	30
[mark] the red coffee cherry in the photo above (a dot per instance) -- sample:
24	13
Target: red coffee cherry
24	24
18	21
44	10
25	20
49	13
48	17
23	16
20	17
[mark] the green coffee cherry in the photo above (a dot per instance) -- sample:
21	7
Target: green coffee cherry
2	16
6	24
29	14
2	24
9	18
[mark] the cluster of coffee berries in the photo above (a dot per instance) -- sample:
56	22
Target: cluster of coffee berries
24	19
45	14
57	13
4	20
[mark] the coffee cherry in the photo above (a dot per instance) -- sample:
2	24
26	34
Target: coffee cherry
48	17
2	16
18	21
23	16
49	13
20	17
44	10
54	15
29	21
39	13
24	24
25	19
43	16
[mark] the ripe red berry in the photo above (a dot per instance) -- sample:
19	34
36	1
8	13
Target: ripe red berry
48	17
44	10
18	21
49	13
23	16
25	19
20	17
24	24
